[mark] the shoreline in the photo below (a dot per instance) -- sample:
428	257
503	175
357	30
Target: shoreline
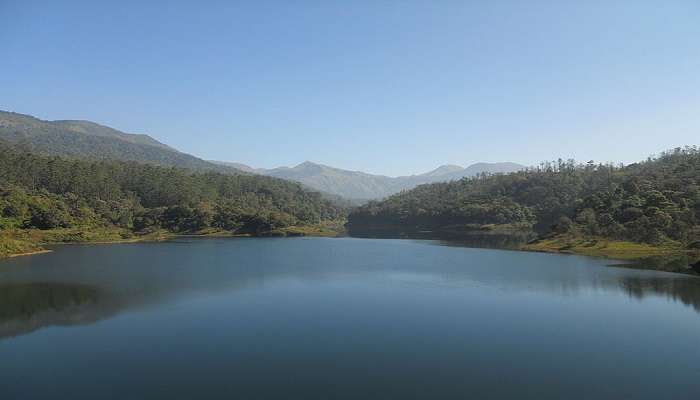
29	253
31	242
634	255
603	247
666	257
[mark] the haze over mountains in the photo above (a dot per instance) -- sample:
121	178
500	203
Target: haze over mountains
363	186
85	139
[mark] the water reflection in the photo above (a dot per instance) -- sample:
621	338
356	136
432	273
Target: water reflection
686	291
27	307
682	263
476	239
84	284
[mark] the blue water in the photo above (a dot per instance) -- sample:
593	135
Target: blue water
313	318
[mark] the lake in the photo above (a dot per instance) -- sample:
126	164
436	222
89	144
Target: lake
315	318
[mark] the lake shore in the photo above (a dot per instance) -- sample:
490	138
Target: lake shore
668	257
31	253
26	242
601	247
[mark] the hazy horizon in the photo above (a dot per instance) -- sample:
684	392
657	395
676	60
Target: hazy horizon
396	89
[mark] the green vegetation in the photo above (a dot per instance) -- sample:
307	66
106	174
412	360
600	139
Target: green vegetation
647	208
52	199
326	229
603	247
88	140
10	245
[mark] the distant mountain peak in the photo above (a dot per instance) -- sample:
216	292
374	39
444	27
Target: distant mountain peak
493	168
309	167
360	185
306	164
444	169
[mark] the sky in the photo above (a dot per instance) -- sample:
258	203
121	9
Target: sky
388	87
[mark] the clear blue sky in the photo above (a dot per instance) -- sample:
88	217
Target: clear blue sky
392	87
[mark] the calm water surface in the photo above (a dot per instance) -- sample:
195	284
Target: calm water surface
316	318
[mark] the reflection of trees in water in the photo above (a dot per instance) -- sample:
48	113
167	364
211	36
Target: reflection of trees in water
675	263
25	300
98	292
686	291
464	238
489	241
26	307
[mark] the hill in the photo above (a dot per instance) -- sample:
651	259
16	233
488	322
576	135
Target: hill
88	140
363	186
656	201
57	199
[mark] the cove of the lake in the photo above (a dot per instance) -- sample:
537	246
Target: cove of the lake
315	318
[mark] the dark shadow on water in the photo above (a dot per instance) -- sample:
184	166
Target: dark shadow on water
27	307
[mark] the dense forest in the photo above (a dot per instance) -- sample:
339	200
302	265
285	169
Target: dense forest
652	201
42	192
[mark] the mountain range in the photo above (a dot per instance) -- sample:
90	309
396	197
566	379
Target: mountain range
86	139
363	186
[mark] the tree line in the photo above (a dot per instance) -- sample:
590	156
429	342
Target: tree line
43	192
652	201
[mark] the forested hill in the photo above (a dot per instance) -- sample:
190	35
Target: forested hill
652	201
88	140
45	192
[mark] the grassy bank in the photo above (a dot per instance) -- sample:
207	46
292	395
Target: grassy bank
668	256
16	242
601	247
324	229
11	246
